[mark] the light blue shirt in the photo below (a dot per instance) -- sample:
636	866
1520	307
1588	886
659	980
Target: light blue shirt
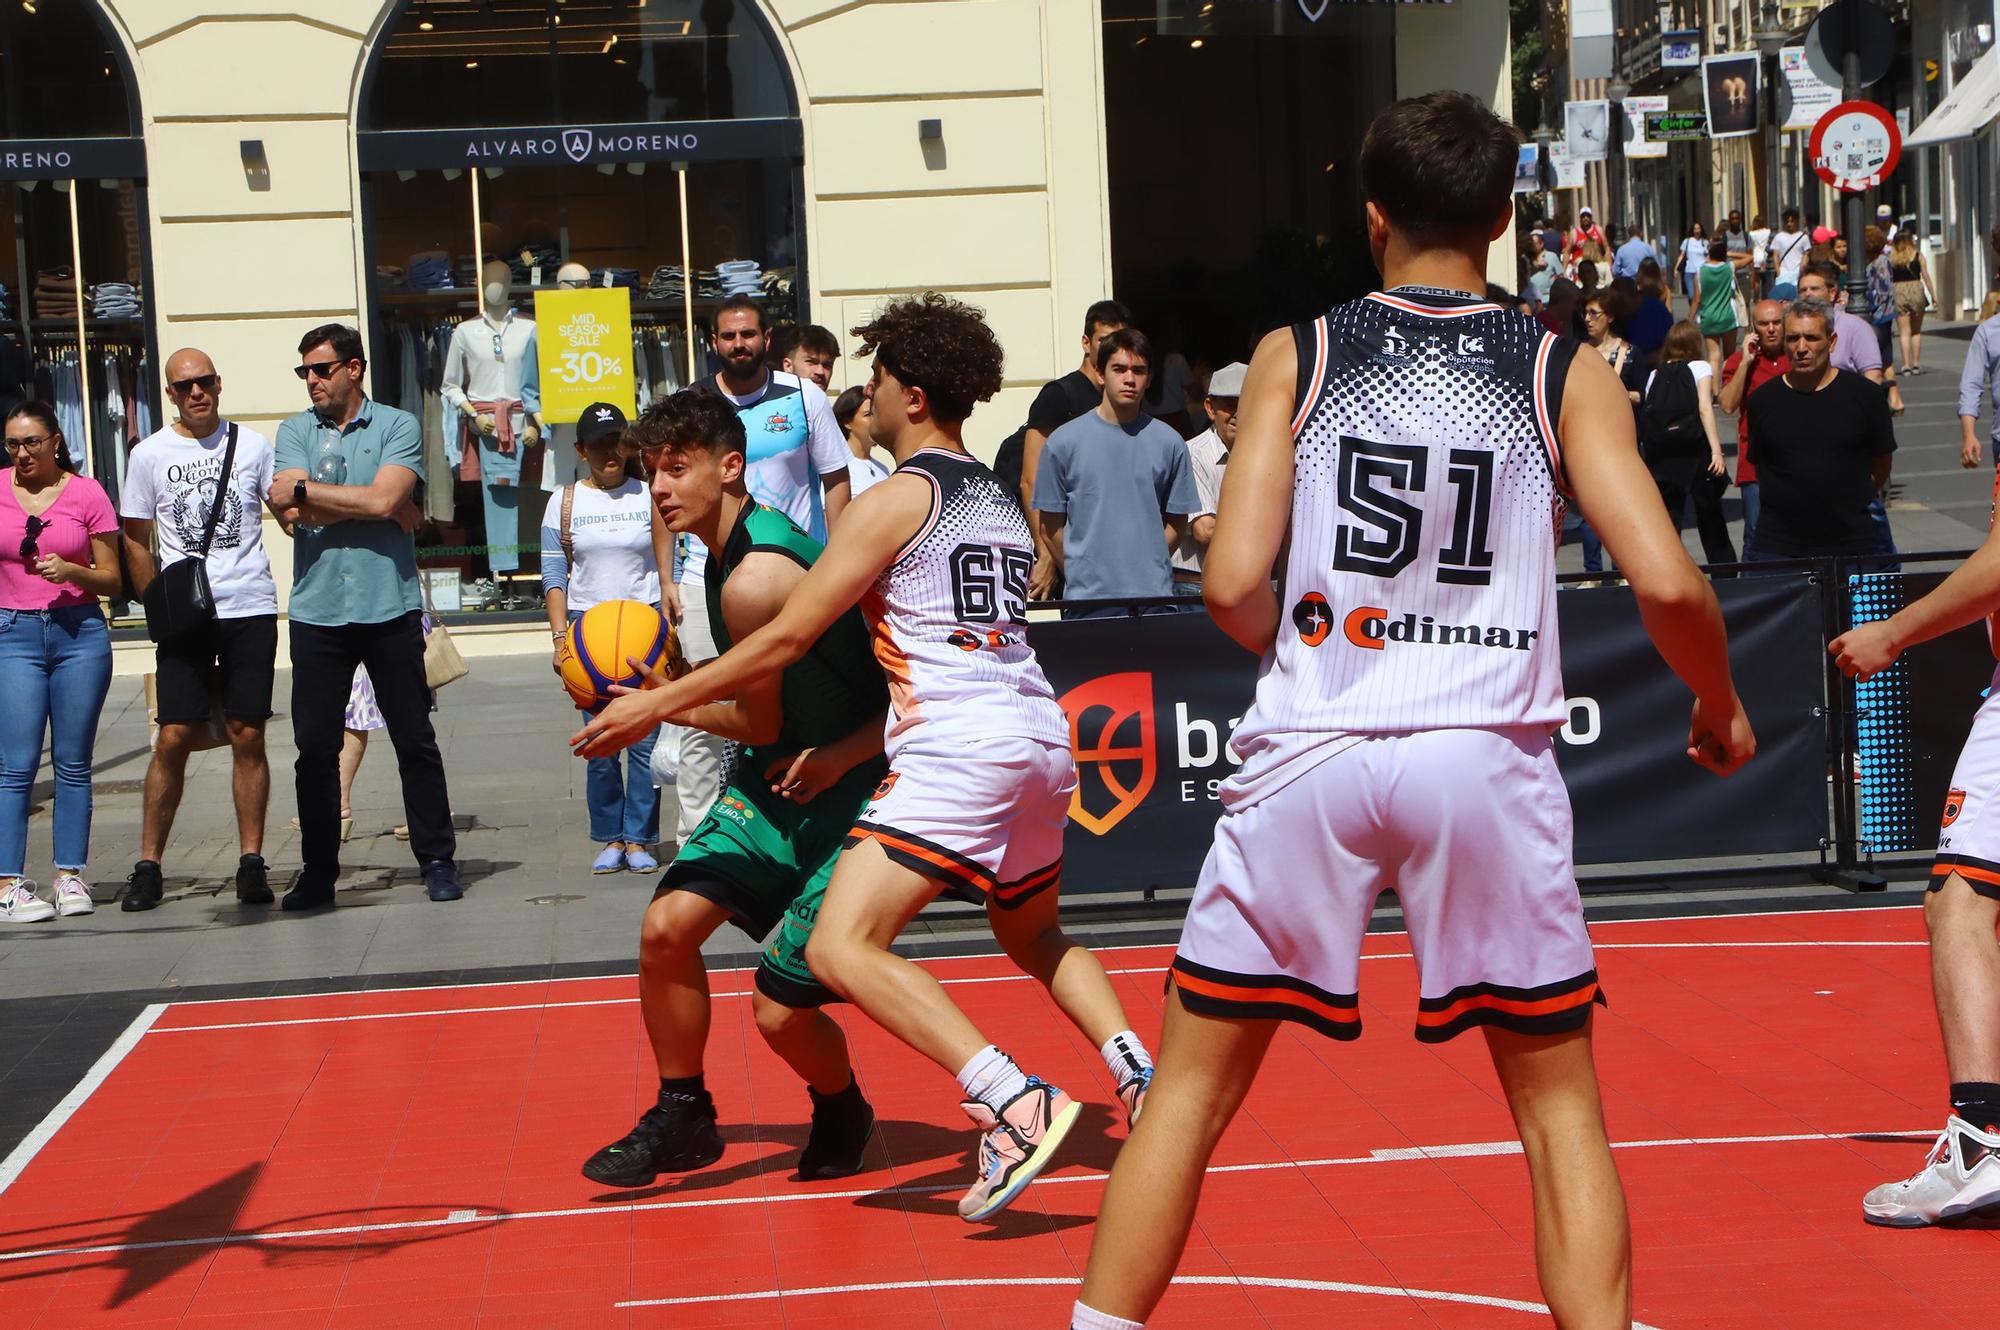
1625	263
358	570
1116	484
1981	376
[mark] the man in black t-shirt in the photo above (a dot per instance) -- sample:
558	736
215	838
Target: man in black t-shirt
1059	402
1823	440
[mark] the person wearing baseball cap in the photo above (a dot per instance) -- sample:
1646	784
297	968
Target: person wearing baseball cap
1885	217
1208	453
1585	232
602	540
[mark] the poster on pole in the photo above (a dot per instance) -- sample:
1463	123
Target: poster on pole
1569	171
1732	90
1587	130
1636	111
1807	99
1528	169
585	351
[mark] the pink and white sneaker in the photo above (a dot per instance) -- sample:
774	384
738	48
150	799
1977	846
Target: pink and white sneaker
72	896
1019	1143
21	904
1132	1093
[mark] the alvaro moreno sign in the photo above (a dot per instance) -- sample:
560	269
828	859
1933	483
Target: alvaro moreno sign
579	145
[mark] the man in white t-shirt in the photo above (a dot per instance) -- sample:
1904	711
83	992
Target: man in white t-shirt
1208	453
175	487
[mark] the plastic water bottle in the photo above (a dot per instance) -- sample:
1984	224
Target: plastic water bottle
329	467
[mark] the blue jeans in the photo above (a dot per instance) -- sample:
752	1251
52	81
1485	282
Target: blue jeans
1593	548
55	669
624	806
1885	540
1752	495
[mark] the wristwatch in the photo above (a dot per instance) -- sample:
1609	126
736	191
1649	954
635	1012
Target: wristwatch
299	493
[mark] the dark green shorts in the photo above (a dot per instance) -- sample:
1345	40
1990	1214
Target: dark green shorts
767	861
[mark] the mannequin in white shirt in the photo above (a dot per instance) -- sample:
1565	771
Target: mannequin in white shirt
490	380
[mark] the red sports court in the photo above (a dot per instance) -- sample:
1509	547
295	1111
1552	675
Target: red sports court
409	1158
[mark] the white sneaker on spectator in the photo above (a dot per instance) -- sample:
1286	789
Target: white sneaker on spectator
20	905
72	897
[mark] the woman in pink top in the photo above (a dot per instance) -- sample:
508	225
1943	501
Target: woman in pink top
57	556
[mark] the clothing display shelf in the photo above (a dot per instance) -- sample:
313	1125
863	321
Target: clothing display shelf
118	413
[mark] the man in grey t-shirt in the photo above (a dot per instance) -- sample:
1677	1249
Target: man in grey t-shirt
1113	488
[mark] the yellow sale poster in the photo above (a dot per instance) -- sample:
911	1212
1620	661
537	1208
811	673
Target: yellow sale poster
585	356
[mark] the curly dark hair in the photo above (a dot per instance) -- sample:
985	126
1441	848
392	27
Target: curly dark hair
688	421
937	344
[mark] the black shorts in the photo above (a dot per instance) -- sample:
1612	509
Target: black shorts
232	662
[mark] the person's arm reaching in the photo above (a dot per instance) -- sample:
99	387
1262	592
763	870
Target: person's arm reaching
1970	594
1675	601
137	533
803	776
751	598
1255	510
887	515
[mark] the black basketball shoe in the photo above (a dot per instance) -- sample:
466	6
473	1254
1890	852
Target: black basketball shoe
842	1126
675	1138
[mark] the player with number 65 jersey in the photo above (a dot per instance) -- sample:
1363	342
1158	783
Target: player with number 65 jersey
980	763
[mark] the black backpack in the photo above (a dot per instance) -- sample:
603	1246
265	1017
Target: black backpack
1670	417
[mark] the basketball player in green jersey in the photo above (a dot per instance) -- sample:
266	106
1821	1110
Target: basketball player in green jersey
811	756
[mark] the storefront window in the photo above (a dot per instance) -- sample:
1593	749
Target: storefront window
73	233
508	149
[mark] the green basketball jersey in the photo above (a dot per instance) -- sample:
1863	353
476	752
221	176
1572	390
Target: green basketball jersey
837	684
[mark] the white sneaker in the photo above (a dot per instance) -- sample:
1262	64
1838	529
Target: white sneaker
1960	1179
20	905
72	897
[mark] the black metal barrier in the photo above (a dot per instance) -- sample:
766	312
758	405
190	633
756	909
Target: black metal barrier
1152	696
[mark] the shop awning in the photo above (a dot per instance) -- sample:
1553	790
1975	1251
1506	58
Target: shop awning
1971	105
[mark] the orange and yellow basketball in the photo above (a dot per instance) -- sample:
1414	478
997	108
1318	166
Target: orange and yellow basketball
604	640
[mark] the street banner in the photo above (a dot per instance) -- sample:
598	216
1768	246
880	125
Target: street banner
1568	171
1732	90
1807	98
585	351
1913	719
1637	145
1665	127
1680	50
1528	169
1152	702
1587	130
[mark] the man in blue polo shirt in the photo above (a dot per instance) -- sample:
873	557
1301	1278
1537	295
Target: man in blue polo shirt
1635	251
346	476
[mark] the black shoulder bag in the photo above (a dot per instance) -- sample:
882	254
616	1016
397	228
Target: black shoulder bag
179	601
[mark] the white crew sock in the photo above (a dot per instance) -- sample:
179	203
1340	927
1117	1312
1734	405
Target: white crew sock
1125	1056
1084	1318
992	1078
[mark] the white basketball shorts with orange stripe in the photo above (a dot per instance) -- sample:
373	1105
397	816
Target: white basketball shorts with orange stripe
1969	840
983	818
1471	827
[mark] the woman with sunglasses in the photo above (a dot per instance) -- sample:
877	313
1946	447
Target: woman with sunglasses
58	555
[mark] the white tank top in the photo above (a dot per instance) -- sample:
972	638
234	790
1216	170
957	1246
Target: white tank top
948	618
1418	590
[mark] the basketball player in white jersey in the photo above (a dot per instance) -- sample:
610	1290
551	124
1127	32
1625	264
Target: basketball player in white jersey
1960	1180
980	767
1403	462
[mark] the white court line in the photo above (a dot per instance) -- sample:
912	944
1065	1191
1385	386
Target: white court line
45	1130
977	979
1071	1281
979	956
1469	1150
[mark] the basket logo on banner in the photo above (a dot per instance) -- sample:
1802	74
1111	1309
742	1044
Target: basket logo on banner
584	351
1111	729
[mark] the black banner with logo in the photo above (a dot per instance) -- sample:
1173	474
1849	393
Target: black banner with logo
72	159
1913	718
1152	701
579	145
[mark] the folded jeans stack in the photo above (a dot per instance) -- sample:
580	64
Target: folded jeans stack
626	277
430	273
531	262
668	282
743	277
55	293
114	300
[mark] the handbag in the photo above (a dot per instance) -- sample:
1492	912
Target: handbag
179	601
442	663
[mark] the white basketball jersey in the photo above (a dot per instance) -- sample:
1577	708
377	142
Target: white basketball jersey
949	617
1418	585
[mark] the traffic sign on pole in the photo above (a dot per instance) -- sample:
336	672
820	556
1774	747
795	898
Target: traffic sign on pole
1855	146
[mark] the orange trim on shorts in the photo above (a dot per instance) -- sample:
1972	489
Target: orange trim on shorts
1966	871
1224	992
1511	1006
1021	890
930	860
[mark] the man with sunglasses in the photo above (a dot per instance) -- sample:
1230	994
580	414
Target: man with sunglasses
173	483
347	471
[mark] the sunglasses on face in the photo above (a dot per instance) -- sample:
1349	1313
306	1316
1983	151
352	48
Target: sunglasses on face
206	382
29	547
319	369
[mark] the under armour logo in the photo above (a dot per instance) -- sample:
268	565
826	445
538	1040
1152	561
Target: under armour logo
1470	345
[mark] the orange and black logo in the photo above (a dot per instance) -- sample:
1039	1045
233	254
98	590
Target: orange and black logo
1313	617
1111	729
963	640
1954	804
882	790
